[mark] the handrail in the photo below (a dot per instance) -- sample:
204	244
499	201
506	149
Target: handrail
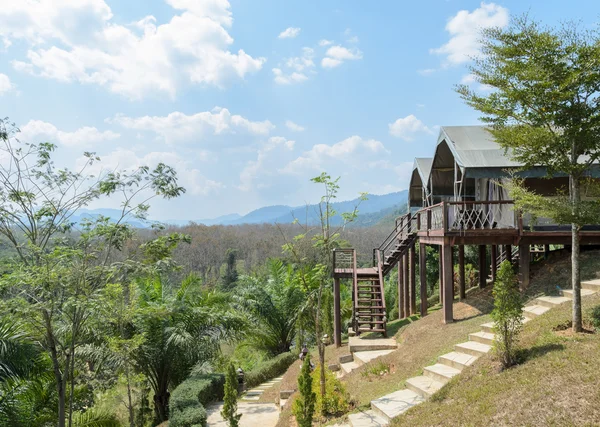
382	291
355	292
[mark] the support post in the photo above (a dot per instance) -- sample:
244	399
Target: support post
406	286
546	251
441	275
508	249
494	256
462	291
400	289
413	281
447	282
524	259
337	317
423	277
482	267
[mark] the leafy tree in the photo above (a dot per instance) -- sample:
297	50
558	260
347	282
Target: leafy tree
229	411
544	109
274	306
304	405
507	314
231	275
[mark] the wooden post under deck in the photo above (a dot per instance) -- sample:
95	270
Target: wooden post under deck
482	267
462	294
406	287
413	281
524	259
441	276
423	277
337	318
447	284
400	289
494	255
508	250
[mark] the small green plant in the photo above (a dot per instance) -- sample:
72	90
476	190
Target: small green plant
507	314
595	314
335	401
304	406
229	411
378	368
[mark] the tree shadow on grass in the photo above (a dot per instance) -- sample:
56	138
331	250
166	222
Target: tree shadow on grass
527	354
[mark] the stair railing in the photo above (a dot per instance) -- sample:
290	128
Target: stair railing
382	293
401	231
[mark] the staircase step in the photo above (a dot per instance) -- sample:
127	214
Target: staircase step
371	322
552	301
393	404
374	307
482	337
592	285
534	310
440	372
357	344
367	356
568	293
457	360
371	330
423	386
473	348
369	300
367	419
488	327
350	366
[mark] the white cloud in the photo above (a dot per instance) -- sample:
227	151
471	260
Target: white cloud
289	33
426	71
325	42
248	175
286	79
38	131
131	60
336	55
464	29
407	127
352	150
296	68
177	126
300	63
5	84
294	127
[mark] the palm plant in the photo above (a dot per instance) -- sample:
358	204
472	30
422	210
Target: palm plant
274	306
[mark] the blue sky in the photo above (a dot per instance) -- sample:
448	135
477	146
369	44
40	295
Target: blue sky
248	99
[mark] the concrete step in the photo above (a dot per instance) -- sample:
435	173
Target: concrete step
371	344
367	356
349	367
482	337
440	372
584	293
532	311
552	301
457	360
592	285
473	348
488	327
394	404
423	386
367	419
345	358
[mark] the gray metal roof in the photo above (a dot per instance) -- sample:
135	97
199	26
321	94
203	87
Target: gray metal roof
423	167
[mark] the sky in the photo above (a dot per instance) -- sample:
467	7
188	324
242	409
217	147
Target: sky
249	99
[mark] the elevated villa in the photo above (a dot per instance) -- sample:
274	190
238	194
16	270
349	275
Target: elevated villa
455	198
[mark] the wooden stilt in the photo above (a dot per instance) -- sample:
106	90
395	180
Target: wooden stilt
400	289
406	286
447	282
494	255
483	273
508	249
441	275
423	277
524	259
413	281
337	317
461	273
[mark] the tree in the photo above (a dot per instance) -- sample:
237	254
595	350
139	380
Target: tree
507	314
231	275
304	405
544	109
229	411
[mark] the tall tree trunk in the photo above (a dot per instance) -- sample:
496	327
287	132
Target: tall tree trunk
161	402
575	270
58	375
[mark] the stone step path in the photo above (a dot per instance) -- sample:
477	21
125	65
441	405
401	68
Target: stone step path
365	350
254	394
420	388
253	415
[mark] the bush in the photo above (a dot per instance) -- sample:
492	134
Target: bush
596	317
188	399
269	369
229	411
304	405
336	396
507	314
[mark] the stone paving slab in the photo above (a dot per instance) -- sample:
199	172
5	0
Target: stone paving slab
371	344
367	419
253	415
394	404
367	356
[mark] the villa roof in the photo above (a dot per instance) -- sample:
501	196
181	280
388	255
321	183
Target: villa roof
423	166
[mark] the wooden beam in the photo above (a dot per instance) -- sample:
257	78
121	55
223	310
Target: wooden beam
400	289
524	259
337	317
494	256
413	280
508	250
441	276
448	284
406	286
462	294
423	277
483	273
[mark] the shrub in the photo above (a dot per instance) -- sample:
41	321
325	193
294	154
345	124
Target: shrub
336	396
507	314
596	317
304	405
269	369
188	399
229	411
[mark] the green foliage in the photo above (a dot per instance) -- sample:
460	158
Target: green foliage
189	398
595	315
335	401
507	314
231	275
304	405
229	411
269	369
